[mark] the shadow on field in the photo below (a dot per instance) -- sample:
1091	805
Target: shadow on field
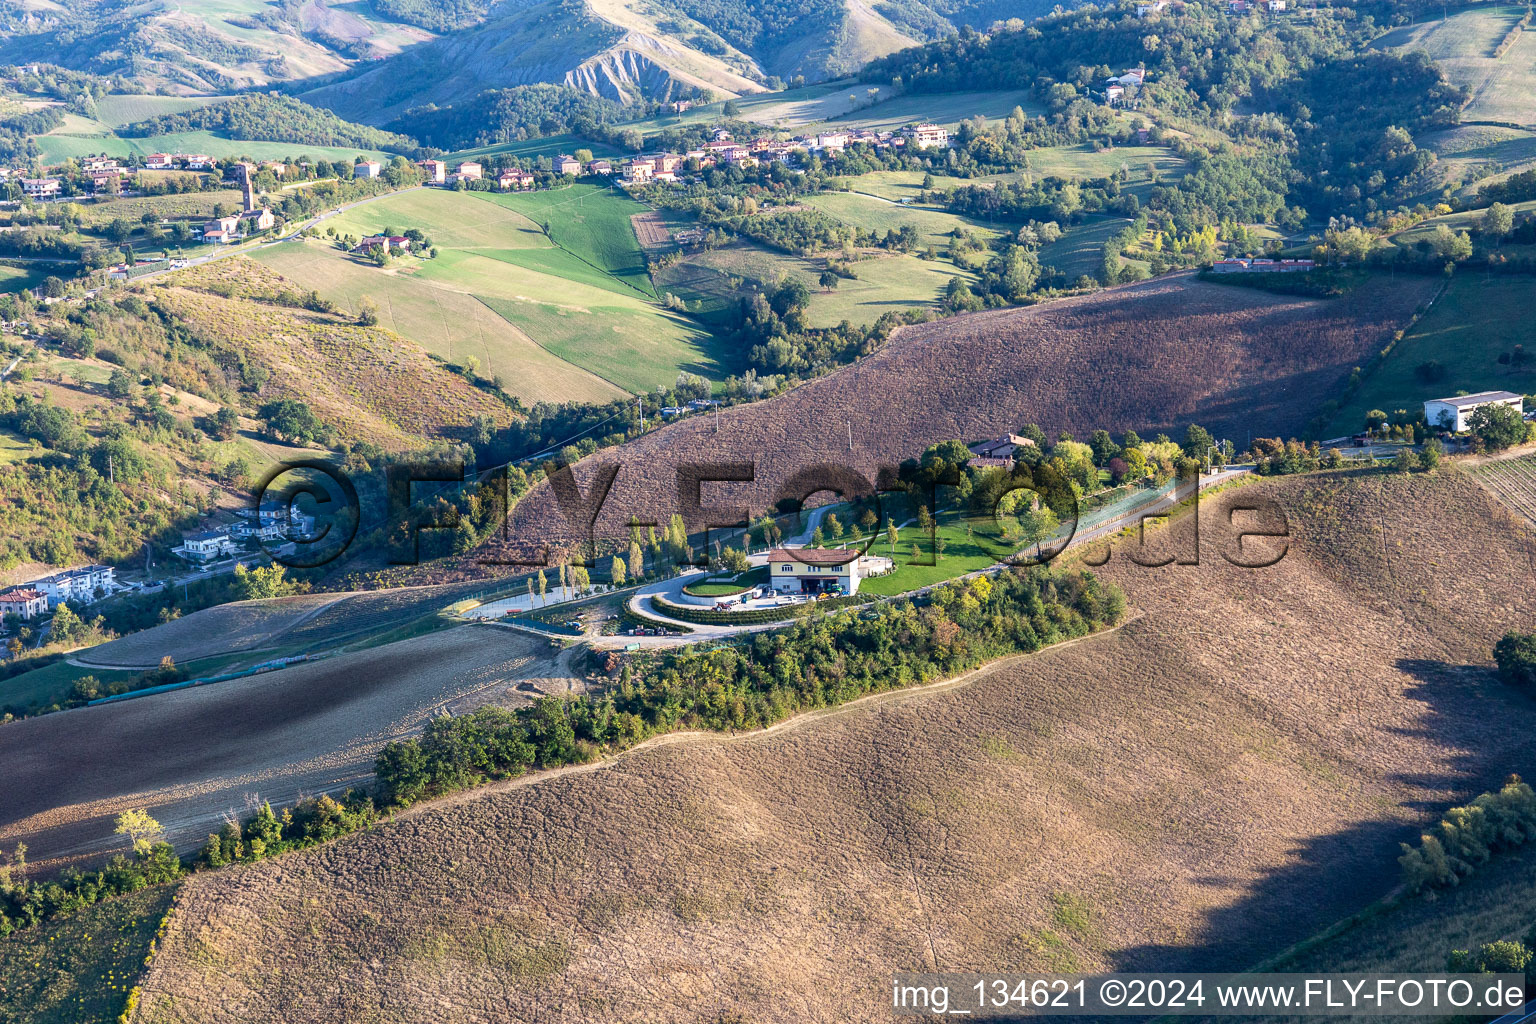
1476	720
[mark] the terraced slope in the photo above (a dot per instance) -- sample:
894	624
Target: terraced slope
1216	779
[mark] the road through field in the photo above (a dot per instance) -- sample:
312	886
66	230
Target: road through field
192	757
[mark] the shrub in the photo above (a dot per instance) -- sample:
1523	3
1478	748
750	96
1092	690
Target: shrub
1516	657
1465	837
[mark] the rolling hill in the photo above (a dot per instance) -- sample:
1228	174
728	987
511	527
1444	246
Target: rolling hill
1214	780
1150	356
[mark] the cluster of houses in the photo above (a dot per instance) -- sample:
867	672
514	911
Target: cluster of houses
1259	265
1117	89
1154	7
389	243
250	219
107	176
81	586
272	521
723	150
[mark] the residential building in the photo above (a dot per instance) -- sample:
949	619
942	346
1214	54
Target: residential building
600	167
107	184
1455	414
221	229
387	242
77	586
205	546
639	170
100	164
1114	93
435	170
367	169
159	162
277	167
821	571
927	136
1276	6
198	162
567	164
470	169
41	188
515	179
1147	10
23	603
1004	448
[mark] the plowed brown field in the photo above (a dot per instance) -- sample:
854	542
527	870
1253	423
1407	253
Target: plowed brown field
1224	774
1151	356
192	756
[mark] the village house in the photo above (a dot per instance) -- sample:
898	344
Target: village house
1455	414
927	136
23	603
514	179
386	242
998	451
435	170
1276	6
567	164
470	170
221	229
100	165
638	170
205	546
159	162
600	167
1114	93
681	106
277	167
367	169
834	141
106	184
198	162
1147	10
41	188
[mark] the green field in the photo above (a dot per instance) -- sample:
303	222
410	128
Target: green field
573	319
14	279
51	684
934	227
1080	249
962	554
885	284
549	145
1463	45
80	968
1475	320
118	109
1481	148
13	449
1464	221
590	222
60	146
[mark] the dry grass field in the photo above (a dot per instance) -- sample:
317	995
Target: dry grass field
1149	357
1224	775
367	383
193	756
1463	45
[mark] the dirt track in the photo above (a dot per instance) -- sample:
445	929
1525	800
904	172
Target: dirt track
191	756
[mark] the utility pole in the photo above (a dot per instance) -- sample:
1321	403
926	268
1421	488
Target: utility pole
850	435
717	419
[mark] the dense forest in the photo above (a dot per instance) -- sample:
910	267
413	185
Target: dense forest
507	115
437	15
272	119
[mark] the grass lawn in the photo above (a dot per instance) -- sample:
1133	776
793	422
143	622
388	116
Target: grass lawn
1475	320
963	553
933	226
1463	46
754	577
79	969
59	146
884	284
590	222
15	279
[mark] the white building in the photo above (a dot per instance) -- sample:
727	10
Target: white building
159	162
1455	414
205	546
821	571
926	136
24	604
77	586
367	169
41	188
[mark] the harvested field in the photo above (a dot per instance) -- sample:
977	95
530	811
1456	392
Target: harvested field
192	756
651	231
1149	357
1222	776
1513	481
226	629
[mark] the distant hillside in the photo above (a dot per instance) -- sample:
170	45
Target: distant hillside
505	115
273	119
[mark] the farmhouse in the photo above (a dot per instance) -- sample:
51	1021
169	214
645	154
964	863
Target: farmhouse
205	546
435	170
1455	414
471	170
221	229
24	604
386	242
998	451
515	179
367	169
198	162
108	183
819	571
1147	10
41	188
100	164
567	164
600	167
159	162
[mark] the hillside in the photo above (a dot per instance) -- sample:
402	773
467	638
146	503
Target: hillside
1212	781
1151	356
